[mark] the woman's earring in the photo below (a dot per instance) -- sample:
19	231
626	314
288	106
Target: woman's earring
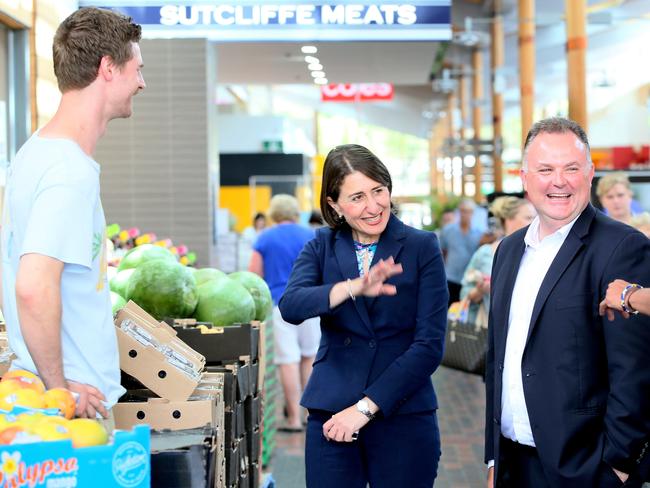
341	219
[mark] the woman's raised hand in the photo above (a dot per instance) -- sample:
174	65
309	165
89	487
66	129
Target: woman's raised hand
372	283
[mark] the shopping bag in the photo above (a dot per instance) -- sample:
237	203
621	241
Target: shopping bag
465	339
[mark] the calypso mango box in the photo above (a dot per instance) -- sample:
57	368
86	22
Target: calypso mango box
123	463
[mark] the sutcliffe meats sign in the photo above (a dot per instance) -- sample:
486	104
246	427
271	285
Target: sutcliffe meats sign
352	92
284	21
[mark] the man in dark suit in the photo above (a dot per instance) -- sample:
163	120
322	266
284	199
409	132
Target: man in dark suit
568	392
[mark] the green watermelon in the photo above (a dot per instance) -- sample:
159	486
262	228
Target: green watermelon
146	252
206	274
120	281
164	289
117	302
258	289
224	302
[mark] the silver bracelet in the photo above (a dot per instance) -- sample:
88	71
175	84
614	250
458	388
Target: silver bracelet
350	290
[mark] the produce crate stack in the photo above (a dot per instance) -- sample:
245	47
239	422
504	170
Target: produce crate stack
271	398
234	352
169	389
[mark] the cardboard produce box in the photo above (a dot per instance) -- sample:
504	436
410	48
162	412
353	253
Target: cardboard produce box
124	463
142	407
220	344
186	458
151	352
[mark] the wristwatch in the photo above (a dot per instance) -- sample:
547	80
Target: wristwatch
362	406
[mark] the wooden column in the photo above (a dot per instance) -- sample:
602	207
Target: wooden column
497	56
33	71
477	96
527	64
462	95
576	47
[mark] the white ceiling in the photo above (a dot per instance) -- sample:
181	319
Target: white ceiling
611	25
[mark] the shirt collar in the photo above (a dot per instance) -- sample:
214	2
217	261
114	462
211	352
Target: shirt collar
532	234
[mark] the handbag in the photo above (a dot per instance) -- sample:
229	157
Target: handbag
465	339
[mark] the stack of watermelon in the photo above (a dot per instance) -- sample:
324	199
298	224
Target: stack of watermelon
150	276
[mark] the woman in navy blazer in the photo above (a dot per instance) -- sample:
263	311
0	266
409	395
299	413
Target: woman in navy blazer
380	290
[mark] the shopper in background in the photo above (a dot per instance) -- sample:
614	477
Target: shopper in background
56	296
641	222
567	392
316	219
615	196
513	213
458	241
274	253
250	233
379	289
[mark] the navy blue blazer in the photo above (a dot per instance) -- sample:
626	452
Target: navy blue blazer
384	347
586	380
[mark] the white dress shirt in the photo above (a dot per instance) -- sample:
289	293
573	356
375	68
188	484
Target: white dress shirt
537	259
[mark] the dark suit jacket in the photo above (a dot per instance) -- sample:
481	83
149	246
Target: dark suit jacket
586	380
385	347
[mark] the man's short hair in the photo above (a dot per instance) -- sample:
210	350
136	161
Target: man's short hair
84	38
555	125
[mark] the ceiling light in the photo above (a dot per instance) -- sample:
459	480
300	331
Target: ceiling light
318	74
311	59
320	81
309	49
315	66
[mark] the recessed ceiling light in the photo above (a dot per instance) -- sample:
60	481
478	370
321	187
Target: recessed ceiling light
311	59
320	81
318	74
309	49
315	66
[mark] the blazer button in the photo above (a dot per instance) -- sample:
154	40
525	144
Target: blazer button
347	341
372	344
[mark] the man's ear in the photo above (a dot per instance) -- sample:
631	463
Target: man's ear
107	68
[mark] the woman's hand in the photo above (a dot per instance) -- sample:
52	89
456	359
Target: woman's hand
612	300
343	424
372	283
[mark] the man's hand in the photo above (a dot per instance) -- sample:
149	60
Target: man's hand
490	477
612	300
345	423
89	400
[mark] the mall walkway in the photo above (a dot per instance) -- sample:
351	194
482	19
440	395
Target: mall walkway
461	416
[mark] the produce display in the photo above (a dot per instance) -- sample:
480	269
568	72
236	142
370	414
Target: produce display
30	413
152	277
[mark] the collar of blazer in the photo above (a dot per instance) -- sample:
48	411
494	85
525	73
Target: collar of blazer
572	244
389	245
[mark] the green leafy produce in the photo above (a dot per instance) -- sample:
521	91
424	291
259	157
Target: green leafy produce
146	252
117	302
258	289
204	275
224	302
164	289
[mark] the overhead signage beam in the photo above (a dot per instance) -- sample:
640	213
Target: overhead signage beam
292	22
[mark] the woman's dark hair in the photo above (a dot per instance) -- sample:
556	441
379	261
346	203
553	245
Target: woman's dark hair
340	162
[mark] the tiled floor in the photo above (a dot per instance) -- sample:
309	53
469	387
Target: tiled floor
461	398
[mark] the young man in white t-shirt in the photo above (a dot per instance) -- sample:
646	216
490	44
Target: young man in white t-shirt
56	298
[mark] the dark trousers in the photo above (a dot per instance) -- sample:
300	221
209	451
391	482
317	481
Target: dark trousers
454	291
402	450
519	466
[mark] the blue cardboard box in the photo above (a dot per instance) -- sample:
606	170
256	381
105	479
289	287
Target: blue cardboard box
124	463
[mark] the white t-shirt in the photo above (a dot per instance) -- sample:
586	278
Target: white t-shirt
53	207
